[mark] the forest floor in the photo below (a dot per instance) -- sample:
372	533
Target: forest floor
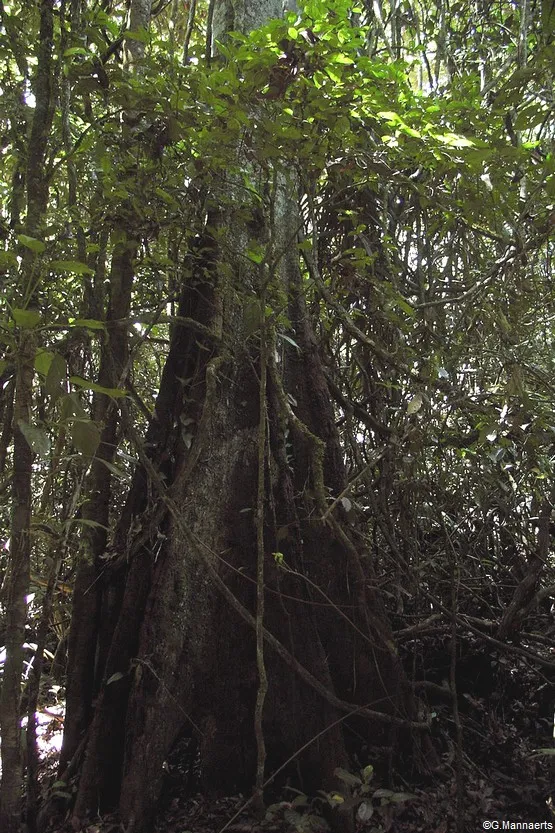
503	776
495	796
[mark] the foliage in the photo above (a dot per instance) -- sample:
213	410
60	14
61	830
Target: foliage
304	814
422	137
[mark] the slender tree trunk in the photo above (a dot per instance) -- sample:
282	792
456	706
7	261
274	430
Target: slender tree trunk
91	625
83	658
17	588
18	580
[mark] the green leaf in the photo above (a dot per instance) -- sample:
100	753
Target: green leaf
300	801
383	794
331	73
166	197
57	373
336	798
404	305
409	131
530	117
37	438
73	266
88	323
398	798
347	777
119	675
340	58
365	811
75	50
289	340
31	243
342	125
453	140
367	773
389	116
43	360
71	406
85	436
121	473
85	384
255	252
26	318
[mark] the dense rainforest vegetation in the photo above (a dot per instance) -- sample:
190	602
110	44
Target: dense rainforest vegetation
277	430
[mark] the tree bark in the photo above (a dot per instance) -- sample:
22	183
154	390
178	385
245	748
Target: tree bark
91	625
83	658
18	579
183	655
17	587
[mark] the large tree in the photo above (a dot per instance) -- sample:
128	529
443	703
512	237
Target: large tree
275	270
254	625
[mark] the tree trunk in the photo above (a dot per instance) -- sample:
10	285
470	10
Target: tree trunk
17	587
18	578
85	656
91	625
183	655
